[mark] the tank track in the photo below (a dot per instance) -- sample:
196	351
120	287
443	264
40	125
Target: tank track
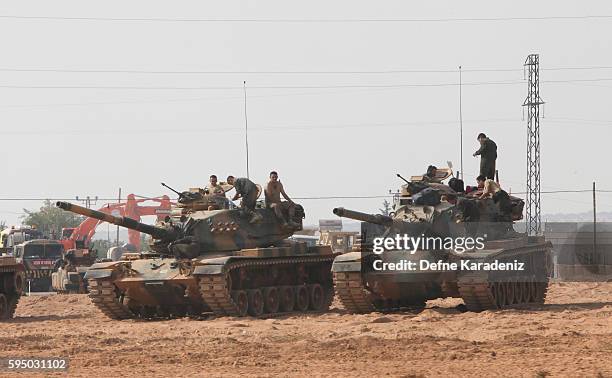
104	297
217	294
479	293
353	296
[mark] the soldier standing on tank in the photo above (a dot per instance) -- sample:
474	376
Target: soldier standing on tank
247	190
273	191
488	155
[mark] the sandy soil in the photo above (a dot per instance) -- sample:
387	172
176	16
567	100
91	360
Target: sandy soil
571	335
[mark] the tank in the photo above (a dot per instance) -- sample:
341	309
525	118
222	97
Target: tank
449	244
12	274
208	259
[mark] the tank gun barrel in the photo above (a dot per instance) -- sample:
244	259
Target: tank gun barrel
364	217
156	232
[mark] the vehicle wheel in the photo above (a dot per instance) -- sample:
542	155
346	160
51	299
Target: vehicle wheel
301	298
242	301
287	298
4	307
18	284
271	299
316	296
256	302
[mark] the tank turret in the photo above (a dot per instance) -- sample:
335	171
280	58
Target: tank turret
203	231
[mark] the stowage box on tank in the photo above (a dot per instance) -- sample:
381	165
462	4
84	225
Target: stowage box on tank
421	273
215	261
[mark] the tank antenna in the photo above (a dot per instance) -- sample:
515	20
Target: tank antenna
460	125
246	129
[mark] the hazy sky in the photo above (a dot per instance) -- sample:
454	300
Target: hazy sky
347	140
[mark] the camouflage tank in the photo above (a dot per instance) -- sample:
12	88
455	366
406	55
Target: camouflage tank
431	268
206	258
12	275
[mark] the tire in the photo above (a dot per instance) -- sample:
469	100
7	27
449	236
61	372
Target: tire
4	307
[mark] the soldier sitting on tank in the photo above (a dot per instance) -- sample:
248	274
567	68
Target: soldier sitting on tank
430	175
491	189
247	190
217	194
273	191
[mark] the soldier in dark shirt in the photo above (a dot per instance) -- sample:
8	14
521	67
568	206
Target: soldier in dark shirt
247	190
488	155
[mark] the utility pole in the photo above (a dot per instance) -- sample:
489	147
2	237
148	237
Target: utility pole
460	124
246	129
595	227
118	201
533	102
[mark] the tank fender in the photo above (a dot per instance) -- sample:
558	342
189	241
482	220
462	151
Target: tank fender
212	265
106	265
348	262
98	273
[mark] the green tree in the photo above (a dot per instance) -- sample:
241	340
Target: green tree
50	220
386	209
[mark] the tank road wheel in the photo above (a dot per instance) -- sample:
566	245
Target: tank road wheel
256	302
287	298
510	293
301	298
541	288
241	300
4	307
316	296
271	299
500	295
533	290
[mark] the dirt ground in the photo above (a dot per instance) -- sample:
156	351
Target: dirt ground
570	335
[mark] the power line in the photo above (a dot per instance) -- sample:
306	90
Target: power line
345	86
289	72
307	21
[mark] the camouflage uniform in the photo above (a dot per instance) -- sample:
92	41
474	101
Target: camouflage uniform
488	155
248	191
